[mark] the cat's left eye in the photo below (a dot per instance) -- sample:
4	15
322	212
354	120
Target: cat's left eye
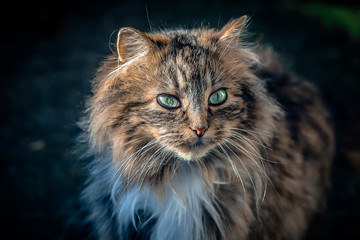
168	101
218	97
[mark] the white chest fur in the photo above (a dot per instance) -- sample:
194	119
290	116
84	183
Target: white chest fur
179	215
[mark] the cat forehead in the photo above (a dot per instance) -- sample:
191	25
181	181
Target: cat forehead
188	62
191	45
181	61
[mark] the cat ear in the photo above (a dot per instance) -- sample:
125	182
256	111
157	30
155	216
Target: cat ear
229	35
132	43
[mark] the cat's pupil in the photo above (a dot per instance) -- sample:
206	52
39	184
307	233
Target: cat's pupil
216	97
170	101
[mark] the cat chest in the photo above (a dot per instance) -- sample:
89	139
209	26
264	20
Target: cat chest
179	215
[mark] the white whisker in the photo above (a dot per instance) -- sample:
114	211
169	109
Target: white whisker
240	148
248	173
234	169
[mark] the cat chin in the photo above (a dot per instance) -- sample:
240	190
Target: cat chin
193	151
192	156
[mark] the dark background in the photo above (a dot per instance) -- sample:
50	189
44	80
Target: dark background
49	54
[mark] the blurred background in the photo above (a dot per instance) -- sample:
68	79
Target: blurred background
50	52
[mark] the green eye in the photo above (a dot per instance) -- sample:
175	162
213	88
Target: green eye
168	101
218	97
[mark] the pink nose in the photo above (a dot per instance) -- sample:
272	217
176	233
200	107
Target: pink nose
199	130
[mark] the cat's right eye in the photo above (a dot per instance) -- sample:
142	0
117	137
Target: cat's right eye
168	101
218	97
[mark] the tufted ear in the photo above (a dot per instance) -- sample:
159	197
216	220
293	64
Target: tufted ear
229	35
132	43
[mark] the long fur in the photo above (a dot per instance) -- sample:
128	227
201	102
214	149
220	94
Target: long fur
260	170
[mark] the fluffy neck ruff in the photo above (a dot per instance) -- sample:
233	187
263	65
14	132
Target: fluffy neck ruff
180	212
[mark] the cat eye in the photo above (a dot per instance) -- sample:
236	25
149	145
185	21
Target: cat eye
218	97
168	101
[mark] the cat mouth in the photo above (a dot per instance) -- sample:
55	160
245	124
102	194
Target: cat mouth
199	143
193	151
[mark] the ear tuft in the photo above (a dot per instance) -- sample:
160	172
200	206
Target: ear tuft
132	43
230	33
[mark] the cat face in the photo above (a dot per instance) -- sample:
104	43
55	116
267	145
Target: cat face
192	102
175	95
193	106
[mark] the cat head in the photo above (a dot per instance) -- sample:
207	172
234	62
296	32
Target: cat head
176	96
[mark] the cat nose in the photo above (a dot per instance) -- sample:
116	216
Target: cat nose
200	131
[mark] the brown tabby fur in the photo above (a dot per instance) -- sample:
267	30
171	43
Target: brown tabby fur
269	179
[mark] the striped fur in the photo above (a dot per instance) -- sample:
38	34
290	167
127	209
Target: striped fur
259	171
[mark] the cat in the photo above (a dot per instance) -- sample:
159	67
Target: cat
196	135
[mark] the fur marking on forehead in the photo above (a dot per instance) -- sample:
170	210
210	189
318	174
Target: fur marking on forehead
189	60
187	46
